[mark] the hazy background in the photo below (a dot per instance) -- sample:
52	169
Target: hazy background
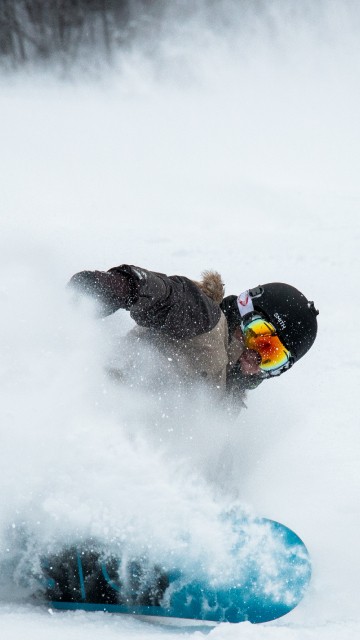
214	135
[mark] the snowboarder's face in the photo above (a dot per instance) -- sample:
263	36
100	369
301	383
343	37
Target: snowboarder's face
249	362
249	359
263	348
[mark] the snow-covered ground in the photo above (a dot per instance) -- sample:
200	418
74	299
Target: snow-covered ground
233	147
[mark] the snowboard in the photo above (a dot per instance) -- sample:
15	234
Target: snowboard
271	572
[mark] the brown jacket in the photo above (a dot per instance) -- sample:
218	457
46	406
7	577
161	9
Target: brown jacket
182	318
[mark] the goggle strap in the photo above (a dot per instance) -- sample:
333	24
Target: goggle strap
245	304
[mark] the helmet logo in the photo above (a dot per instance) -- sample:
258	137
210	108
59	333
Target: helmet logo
282	322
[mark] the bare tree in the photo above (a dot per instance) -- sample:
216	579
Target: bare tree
41	30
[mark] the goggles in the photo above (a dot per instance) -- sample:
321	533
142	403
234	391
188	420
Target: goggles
260	336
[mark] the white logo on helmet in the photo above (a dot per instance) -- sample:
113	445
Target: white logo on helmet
282	322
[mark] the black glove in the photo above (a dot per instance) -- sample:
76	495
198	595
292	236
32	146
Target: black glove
112	291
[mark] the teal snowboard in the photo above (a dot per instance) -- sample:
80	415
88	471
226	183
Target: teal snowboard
271	574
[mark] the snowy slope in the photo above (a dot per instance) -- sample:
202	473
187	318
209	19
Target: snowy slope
234	148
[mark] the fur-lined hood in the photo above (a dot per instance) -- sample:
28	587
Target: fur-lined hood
212	285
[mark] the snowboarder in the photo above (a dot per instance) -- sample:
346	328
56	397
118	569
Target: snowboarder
232	343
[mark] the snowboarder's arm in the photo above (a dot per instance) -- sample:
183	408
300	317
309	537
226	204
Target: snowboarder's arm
172	304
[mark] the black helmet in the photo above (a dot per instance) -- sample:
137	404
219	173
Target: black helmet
292	315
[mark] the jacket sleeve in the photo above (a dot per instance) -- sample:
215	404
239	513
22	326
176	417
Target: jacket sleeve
173	305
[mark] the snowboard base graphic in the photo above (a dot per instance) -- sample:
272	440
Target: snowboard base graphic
266	583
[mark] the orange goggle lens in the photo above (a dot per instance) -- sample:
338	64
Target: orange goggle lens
260	336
